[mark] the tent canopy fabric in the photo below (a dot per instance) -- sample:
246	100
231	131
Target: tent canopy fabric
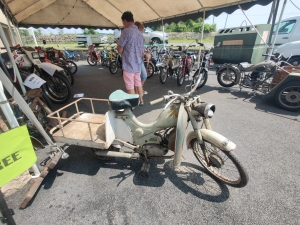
106	14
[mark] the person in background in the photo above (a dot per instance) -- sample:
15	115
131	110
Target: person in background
143	69
130	46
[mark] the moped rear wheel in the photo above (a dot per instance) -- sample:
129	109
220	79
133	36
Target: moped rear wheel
72	66
180	76
288	96
224	165
149	69
227	78
203	80
163	75
91	60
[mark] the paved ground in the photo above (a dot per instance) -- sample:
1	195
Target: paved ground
84	190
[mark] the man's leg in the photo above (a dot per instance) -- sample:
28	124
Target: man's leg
129	82
138	85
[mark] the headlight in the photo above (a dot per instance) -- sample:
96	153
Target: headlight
42	54
206	110
35	55
8	65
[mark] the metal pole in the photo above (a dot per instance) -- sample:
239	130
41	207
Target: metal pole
12	36
226	21
272	11
16	71
163	28
272	27
33	35
277	29
202	31
5	211
19	36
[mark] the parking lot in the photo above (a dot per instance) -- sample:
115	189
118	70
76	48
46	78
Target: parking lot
85	190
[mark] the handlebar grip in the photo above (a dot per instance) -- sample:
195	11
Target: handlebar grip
157	101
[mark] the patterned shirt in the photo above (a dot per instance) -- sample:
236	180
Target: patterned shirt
132	42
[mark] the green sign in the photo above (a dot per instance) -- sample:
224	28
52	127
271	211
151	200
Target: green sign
16	154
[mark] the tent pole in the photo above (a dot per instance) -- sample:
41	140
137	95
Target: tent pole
19	36
163	29
33	35
275	10
12	36
16	71
272	11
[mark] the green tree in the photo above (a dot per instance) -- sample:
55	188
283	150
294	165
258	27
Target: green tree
60	31
89	31
38	32
24	33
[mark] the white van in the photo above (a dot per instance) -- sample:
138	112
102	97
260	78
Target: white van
289	30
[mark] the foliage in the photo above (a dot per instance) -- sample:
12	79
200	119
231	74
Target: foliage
89	31
24	32
188	26
38	32
60	31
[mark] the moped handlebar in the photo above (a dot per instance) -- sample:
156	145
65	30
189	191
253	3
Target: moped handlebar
157	101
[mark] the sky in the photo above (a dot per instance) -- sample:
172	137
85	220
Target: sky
257	15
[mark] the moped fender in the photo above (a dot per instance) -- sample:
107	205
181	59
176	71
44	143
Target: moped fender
50	68
180	134
215	138
234	68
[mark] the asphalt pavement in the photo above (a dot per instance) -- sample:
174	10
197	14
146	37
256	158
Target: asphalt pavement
85	190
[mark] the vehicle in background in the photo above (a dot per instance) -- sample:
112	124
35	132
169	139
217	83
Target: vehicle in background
289	30
154	37
290	51
95	39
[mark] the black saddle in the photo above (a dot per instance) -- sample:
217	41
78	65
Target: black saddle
121	100
176	56
190	53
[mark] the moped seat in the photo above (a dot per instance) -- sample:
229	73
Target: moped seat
190	53
246	65
176	55
121	100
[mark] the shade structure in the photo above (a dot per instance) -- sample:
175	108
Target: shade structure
106	14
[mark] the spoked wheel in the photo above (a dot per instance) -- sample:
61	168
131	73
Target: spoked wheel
180	76
203	79
149	69
57	88
223	165
113	67
163	75
227	77
72	66
91	61
69	75
288	96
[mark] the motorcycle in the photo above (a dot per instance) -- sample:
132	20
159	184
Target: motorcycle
120	128
57	86
116	63
267	77
94	56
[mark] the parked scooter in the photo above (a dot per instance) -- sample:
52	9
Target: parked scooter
119	127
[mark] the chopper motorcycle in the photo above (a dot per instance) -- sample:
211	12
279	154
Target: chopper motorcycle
119	127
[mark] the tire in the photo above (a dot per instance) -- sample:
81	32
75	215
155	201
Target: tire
288	96
69	75
155	41
72	66
91	61
203	80
163	74
149	69
241	176
295	61
47	101
228	77
113	67
57	88
180	77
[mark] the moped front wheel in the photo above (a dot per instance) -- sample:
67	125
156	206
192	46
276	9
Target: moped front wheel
203	79
113	67
149	69
224	165
227	77
91	61
163	75
180	76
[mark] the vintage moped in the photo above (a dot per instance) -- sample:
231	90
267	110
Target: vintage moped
119	133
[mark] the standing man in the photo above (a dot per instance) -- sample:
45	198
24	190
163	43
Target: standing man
130	45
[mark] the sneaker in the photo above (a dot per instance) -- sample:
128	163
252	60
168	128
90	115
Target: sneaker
145	92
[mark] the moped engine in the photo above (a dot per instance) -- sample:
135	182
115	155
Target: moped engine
155	150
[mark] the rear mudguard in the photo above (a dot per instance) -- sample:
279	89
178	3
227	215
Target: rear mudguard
234	68
213	137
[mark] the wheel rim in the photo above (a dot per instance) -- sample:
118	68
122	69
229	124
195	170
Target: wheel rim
290	97
113	67
72	67
164	74
196	76
149	70
228	172
227	77
57	88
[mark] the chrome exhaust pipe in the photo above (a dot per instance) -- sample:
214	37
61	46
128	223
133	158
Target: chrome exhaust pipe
117	154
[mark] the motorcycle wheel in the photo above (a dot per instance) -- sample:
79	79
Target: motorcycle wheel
203	80
226	79
180	77
47	101
91	61
149	68
288	96
163	74
69	75
72	66
57	88
113	67
225	161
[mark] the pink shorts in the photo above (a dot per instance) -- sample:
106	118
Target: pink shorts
131	80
